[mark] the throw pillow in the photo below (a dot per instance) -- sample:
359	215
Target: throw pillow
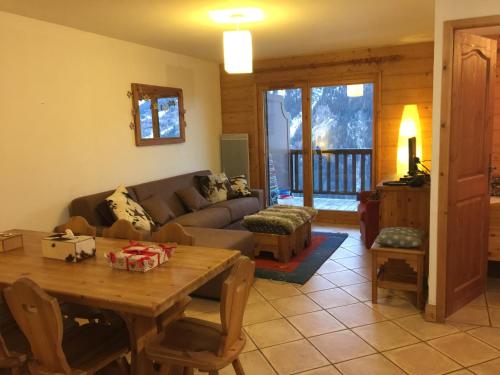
214	187
403	237
239	187
158	209
105	213
192	198
124	207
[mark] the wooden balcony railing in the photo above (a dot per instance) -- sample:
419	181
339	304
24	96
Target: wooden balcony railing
342	172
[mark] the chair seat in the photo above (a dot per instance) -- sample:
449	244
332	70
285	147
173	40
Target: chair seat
93	346
191	342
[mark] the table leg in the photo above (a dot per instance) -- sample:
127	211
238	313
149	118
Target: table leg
140	329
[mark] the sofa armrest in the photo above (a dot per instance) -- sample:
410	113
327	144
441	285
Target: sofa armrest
259	194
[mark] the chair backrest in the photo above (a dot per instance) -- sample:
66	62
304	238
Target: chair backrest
122	229
173	232
234	297
79	226
39	317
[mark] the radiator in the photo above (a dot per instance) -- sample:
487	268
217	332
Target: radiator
234	155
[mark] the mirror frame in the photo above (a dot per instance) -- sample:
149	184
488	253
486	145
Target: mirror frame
139	91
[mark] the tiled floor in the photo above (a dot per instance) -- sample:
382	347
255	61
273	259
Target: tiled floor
322	203
329	327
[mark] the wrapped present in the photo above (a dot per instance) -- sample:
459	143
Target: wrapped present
140	257
68	247
10	241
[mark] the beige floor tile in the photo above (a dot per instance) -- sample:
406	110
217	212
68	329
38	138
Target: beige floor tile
213	316
330	266
464	327
253	363
366	272
363	291
202	305
493	285
316	283
375	364
341	346
249	345
355	262
488	335
272	333
393	307
294	357
479	301
354	247
421	359
332	298
487	368
342	253
471	314
385	336
355	315
464	349
328	370
255	296
424	330
461	372
494	316
295	305
274	289
343	278
493	299
260	312
316	323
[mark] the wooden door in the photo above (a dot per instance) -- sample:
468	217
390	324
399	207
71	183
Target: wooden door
474	61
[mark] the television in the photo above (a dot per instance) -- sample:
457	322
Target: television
412	157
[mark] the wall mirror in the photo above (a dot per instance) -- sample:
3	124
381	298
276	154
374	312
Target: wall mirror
158	115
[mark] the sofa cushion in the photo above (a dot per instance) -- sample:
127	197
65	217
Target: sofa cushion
215	187
105	213
211	217
240	207
402	237
124	207
157	209
192	198
239	187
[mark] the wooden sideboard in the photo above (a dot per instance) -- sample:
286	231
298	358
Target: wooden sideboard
494	240
405	206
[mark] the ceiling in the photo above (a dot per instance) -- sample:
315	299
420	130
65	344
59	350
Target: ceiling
290	27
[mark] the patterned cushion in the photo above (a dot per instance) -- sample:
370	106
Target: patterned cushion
402	237
239	187
124	207
214	187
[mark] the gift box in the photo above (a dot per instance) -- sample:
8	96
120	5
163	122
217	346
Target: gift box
140	257
10	241
69	248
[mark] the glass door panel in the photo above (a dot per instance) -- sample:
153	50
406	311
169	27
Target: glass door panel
285	166
342	144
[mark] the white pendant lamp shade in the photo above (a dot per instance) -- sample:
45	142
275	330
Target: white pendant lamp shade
238	52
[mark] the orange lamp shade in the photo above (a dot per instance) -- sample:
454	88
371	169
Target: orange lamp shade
410	127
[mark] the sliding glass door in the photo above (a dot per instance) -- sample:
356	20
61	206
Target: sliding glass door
319	144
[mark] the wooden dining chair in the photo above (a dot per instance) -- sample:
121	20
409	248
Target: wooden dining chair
9	359
124	230
83	350
198	344
79	226
173	232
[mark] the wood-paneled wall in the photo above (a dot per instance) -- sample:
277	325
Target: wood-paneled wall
405	78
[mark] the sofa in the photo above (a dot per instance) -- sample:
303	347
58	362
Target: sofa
217	225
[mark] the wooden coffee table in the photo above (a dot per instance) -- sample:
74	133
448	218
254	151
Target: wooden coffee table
283	245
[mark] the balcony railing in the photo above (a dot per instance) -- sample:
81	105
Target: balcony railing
340	172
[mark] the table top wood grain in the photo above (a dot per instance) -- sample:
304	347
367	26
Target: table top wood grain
93	282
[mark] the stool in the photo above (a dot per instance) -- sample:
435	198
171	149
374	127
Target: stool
400	268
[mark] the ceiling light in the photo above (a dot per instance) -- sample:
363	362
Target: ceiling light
236	16
354	91
238	52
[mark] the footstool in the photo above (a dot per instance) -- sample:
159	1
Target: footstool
398	261
282	230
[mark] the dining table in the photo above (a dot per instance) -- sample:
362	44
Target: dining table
139	297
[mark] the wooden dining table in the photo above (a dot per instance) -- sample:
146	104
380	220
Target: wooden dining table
138	297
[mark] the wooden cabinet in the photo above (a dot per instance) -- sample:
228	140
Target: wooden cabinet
405	206
494	239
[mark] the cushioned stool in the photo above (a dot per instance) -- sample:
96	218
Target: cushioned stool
398	261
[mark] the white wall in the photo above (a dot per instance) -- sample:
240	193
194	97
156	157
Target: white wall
446	10
65	115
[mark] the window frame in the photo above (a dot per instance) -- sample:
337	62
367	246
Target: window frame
141	91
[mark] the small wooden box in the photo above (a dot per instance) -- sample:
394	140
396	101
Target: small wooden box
70	250
10	241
